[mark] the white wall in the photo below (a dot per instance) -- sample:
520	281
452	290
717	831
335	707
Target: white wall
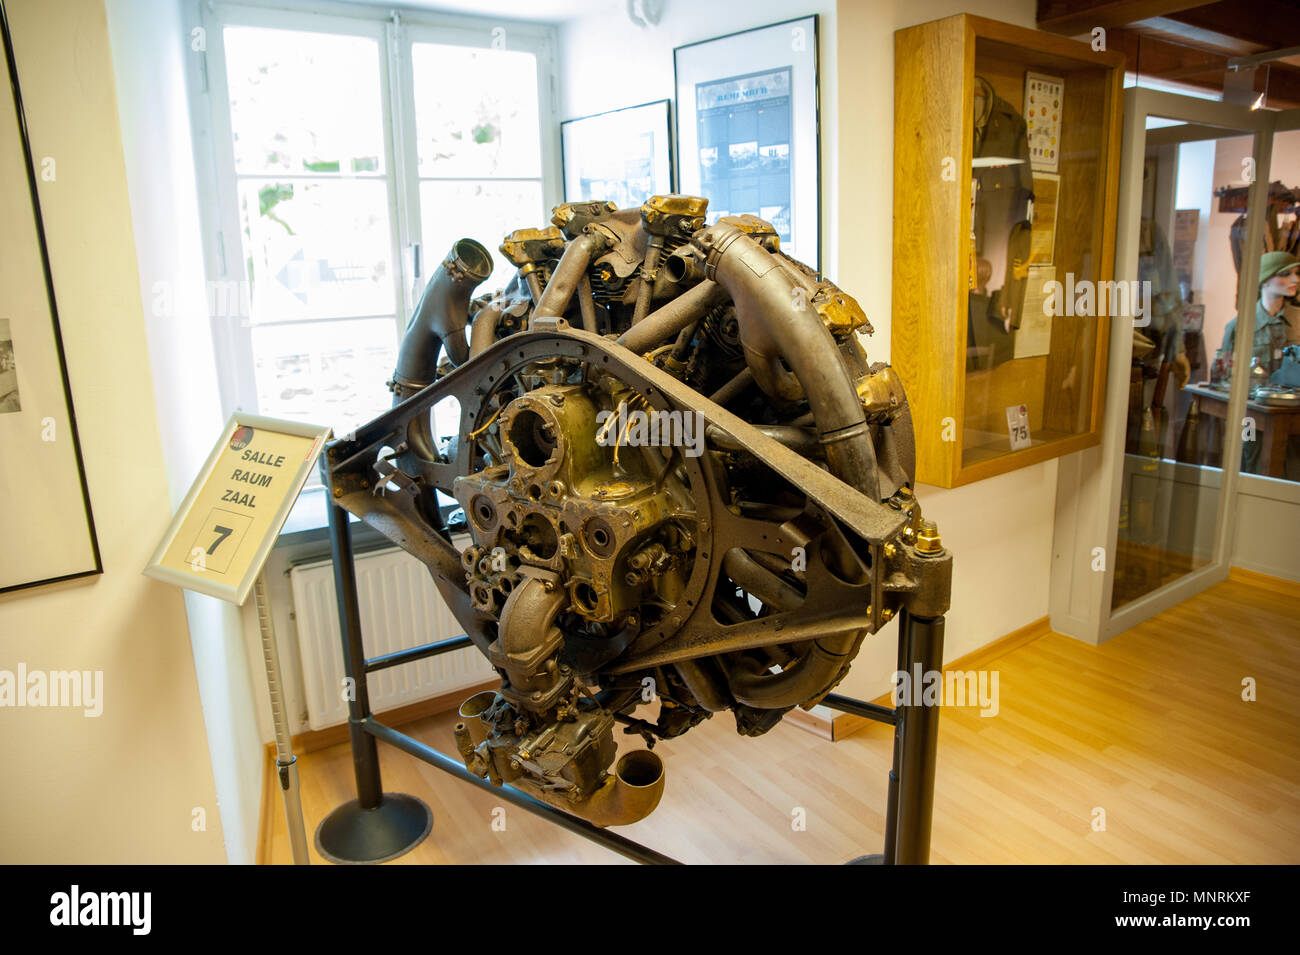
1267	527
122	787
152	55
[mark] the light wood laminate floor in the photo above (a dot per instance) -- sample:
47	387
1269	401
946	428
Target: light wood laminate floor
1151	728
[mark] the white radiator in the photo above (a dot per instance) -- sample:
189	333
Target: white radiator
400	608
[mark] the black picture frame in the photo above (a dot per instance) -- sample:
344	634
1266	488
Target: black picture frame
747	57
86	561
613	126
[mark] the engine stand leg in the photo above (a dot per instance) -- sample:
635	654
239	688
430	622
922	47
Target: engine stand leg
909	806
376	826
915	744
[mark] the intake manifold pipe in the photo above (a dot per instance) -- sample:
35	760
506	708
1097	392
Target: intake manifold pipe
570	272
440	318
778	324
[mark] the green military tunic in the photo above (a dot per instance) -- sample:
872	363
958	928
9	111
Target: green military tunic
1270	336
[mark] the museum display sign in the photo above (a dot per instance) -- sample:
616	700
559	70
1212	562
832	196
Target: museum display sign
223	531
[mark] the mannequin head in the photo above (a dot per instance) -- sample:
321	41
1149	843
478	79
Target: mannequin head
1279	276
1285	284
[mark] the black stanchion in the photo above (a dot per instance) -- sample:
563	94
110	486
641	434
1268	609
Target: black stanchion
909	805
376	826
917	743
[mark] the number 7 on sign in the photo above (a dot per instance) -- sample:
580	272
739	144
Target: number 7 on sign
222	533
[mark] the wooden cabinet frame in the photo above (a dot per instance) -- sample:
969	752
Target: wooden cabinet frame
934	81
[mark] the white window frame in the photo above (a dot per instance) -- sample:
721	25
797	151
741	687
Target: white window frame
395	30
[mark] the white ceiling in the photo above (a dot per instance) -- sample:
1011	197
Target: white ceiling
552	11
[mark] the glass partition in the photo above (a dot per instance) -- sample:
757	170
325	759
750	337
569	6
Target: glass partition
1191	236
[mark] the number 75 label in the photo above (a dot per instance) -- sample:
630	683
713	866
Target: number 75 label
1018	427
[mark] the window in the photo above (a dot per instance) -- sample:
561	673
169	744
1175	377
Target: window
350	153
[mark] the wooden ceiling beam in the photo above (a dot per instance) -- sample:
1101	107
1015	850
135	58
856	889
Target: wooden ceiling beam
1073	17
1156	58
1178	31
1267	24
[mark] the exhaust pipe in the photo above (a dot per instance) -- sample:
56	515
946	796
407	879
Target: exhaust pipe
778	329
440	318
627	795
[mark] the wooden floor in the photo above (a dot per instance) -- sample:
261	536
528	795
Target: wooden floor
1150	727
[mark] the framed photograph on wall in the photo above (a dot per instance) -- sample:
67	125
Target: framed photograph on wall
747	129
624	155
47	532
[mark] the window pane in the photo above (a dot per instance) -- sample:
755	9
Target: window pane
317	249
484	211
304	102
476	112
330	373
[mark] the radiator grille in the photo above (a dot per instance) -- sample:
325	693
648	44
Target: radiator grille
400	608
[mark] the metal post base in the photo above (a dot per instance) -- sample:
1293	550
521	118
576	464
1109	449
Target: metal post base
351	835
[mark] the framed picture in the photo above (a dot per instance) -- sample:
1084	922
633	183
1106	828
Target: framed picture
747	129
47	532
624	155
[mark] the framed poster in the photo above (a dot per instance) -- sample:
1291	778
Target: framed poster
47	531
1044	102
747	129
225	528
624	155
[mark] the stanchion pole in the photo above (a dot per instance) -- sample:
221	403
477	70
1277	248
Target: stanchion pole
376	826
286	764
365	752
916	745
890	855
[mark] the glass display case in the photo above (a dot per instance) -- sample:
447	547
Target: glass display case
1006	160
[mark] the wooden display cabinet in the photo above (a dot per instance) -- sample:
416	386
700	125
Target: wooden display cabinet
957	280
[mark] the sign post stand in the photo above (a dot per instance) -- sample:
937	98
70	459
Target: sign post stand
219	540
286	764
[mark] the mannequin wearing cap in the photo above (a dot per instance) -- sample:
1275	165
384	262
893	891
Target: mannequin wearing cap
1279	280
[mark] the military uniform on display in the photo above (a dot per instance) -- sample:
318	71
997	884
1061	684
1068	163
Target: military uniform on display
1269	339
1001	227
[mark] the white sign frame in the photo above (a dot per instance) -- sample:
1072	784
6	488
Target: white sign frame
238	593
